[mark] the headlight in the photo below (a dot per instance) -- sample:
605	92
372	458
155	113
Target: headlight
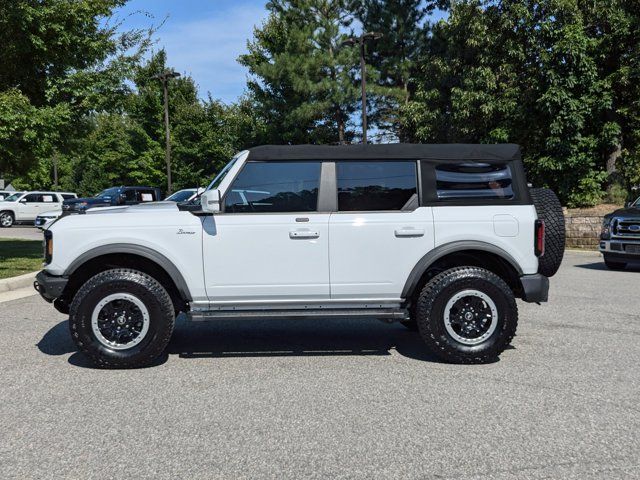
605	232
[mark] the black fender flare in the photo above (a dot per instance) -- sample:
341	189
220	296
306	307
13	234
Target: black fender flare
133	249
459	246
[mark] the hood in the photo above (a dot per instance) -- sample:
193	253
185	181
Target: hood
625	212
151	207
74	203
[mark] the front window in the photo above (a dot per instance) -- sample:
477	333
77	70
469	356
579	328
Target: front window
636	203
108	193
181	196
223	173
14	197
268	187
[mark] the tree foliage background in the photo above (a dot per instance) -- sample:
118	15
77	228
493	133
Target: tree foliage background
559	77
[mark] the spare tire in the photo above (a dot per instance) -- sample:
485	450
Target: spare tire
550	211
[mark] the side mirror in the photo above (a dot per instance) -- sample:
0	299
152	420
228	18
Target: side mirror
23	200
210	201
627	204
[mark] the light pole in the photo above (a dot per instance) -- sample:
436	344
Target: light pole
164	77
363	73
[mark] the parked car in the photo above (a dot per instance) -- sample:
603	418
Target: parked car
23	207
112	197
43	220
442	238
185	195
620	236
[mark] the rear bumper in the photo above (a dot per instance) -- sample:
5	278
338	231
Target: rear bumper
49	286
535	288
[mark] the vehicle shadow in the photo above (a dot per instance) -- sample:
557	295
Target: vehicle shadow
631	267
268	338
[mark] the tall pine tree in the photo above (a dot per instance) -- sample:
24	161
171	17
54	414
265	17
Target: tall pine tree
393	57
301	79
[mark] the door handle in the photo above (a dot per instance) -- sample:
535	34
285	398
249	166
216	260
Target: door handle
293	234
409	232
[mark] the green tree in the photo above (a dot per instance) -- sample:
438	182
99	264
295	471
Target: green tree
60	59
392	59
301	80
528	72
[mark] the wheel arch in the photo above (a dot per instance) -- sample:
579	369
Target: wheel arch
122	255
460	253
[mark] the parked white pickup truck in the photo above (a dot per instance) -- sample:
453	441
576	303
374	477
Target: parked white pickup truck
442	238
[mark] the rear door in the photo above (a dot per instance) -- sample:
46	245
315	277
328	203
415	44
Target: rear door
379	232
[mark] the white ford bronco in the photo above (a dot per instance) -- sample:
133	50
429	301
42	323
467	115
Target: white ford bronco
442	238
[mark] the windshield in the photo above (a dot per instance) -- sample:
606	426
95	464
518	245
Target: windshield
181	195
108	193
14	197
636	203
223	173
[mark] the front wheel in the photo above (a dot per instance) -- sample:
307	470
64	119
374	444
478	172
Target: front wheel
122	319
6	219
467	315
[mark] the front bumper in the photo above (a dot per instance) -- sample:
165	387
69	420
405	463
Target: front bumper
49	286
535	288
623	249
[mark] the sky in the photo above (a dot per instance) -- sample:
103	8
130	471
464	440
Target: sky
203	38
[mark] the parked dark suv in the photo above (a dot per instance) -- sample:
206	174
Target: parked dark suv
620	237
112	197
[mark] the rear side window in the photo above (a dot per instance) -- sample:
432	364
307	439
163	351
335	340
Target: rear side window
367	186
68	196
456	181
267	187
146	195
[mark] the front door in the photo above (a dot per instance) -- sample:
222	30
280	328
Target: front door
379	232
270	242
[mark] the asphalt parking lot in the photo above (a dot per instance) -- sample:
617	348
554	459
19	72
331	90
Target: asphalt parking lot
335	399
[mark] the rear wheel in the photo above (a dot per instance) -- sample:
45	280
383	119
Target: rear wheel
613	265
6	219
122	319
467	315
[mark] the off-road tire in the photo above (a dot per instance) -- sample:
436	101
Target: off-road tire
613	265
145	288
549	210
7	219
430	315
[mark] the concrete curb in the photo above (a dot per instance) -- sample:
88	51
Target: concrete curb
14	283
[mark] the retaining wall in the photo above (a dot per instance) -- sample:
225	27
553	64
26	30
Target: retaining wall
583	231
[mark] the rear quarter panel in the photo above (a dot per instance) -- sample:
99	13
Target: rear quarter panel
509	227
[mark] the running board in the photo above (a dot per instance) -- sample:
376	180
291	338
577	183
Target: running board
386	314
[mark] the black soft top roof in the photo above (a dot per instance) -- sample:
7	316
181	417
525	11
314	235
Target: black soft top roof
410	151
